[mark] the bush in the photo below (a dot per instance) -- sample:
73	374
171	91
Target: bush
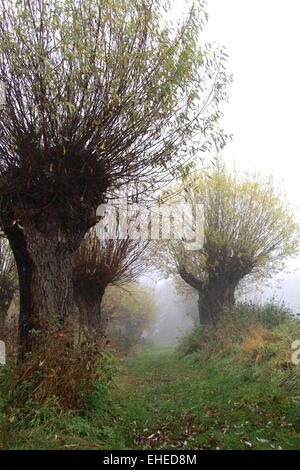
57	374
268	315
245	322
60	397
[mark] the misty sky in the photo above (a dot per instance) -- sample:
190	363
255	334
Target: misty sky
262	39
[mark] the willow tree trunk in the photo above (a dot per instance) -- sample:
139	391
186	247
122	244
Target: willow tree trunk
214	299
215	295
44	255
90	312
25	267
205	317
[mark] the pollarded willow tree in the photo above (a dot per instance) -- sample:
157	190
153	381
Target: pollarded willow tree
249	231
98	93
98	264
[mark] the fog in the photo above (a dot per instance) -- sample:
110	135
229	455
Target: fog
178	314
283	289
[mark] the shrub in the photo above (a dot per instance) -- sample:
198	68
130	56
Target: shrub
268	315
245	323
57	373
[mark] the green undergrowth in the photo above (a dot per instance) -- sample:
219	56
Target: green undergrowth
238	389
59	398
26	424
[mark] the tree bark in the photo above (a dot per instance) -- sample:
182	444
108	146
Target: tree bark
214	299
51	282
213	296
90	312
25	267
204	309
204	304
44	255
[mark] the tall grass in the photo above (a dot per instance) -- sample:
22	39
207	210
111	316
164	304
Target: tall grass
258	337
242	320
58	386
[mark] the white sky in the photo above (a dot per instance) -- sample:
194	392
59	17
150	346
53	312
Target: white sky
262	39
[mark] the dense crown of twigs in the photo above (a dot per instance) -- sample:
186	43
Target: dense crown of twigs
99	263
249	229
100	92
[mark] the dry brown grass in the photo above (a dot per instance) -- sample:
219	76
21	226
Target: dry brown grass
56	369
257	337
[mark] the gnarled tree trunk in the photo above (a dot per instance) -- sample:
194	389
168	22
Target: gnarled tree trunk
90	312
204	309
214	296
219	295
44	253
25	267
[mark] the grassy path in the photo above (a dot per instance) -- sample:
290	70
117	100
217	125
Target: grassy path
166	402
158	401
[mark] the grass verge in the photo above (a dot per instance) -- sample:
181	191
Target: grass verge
236	390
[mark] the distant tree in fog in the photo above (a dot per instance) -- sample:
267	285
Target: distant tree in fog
249	229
